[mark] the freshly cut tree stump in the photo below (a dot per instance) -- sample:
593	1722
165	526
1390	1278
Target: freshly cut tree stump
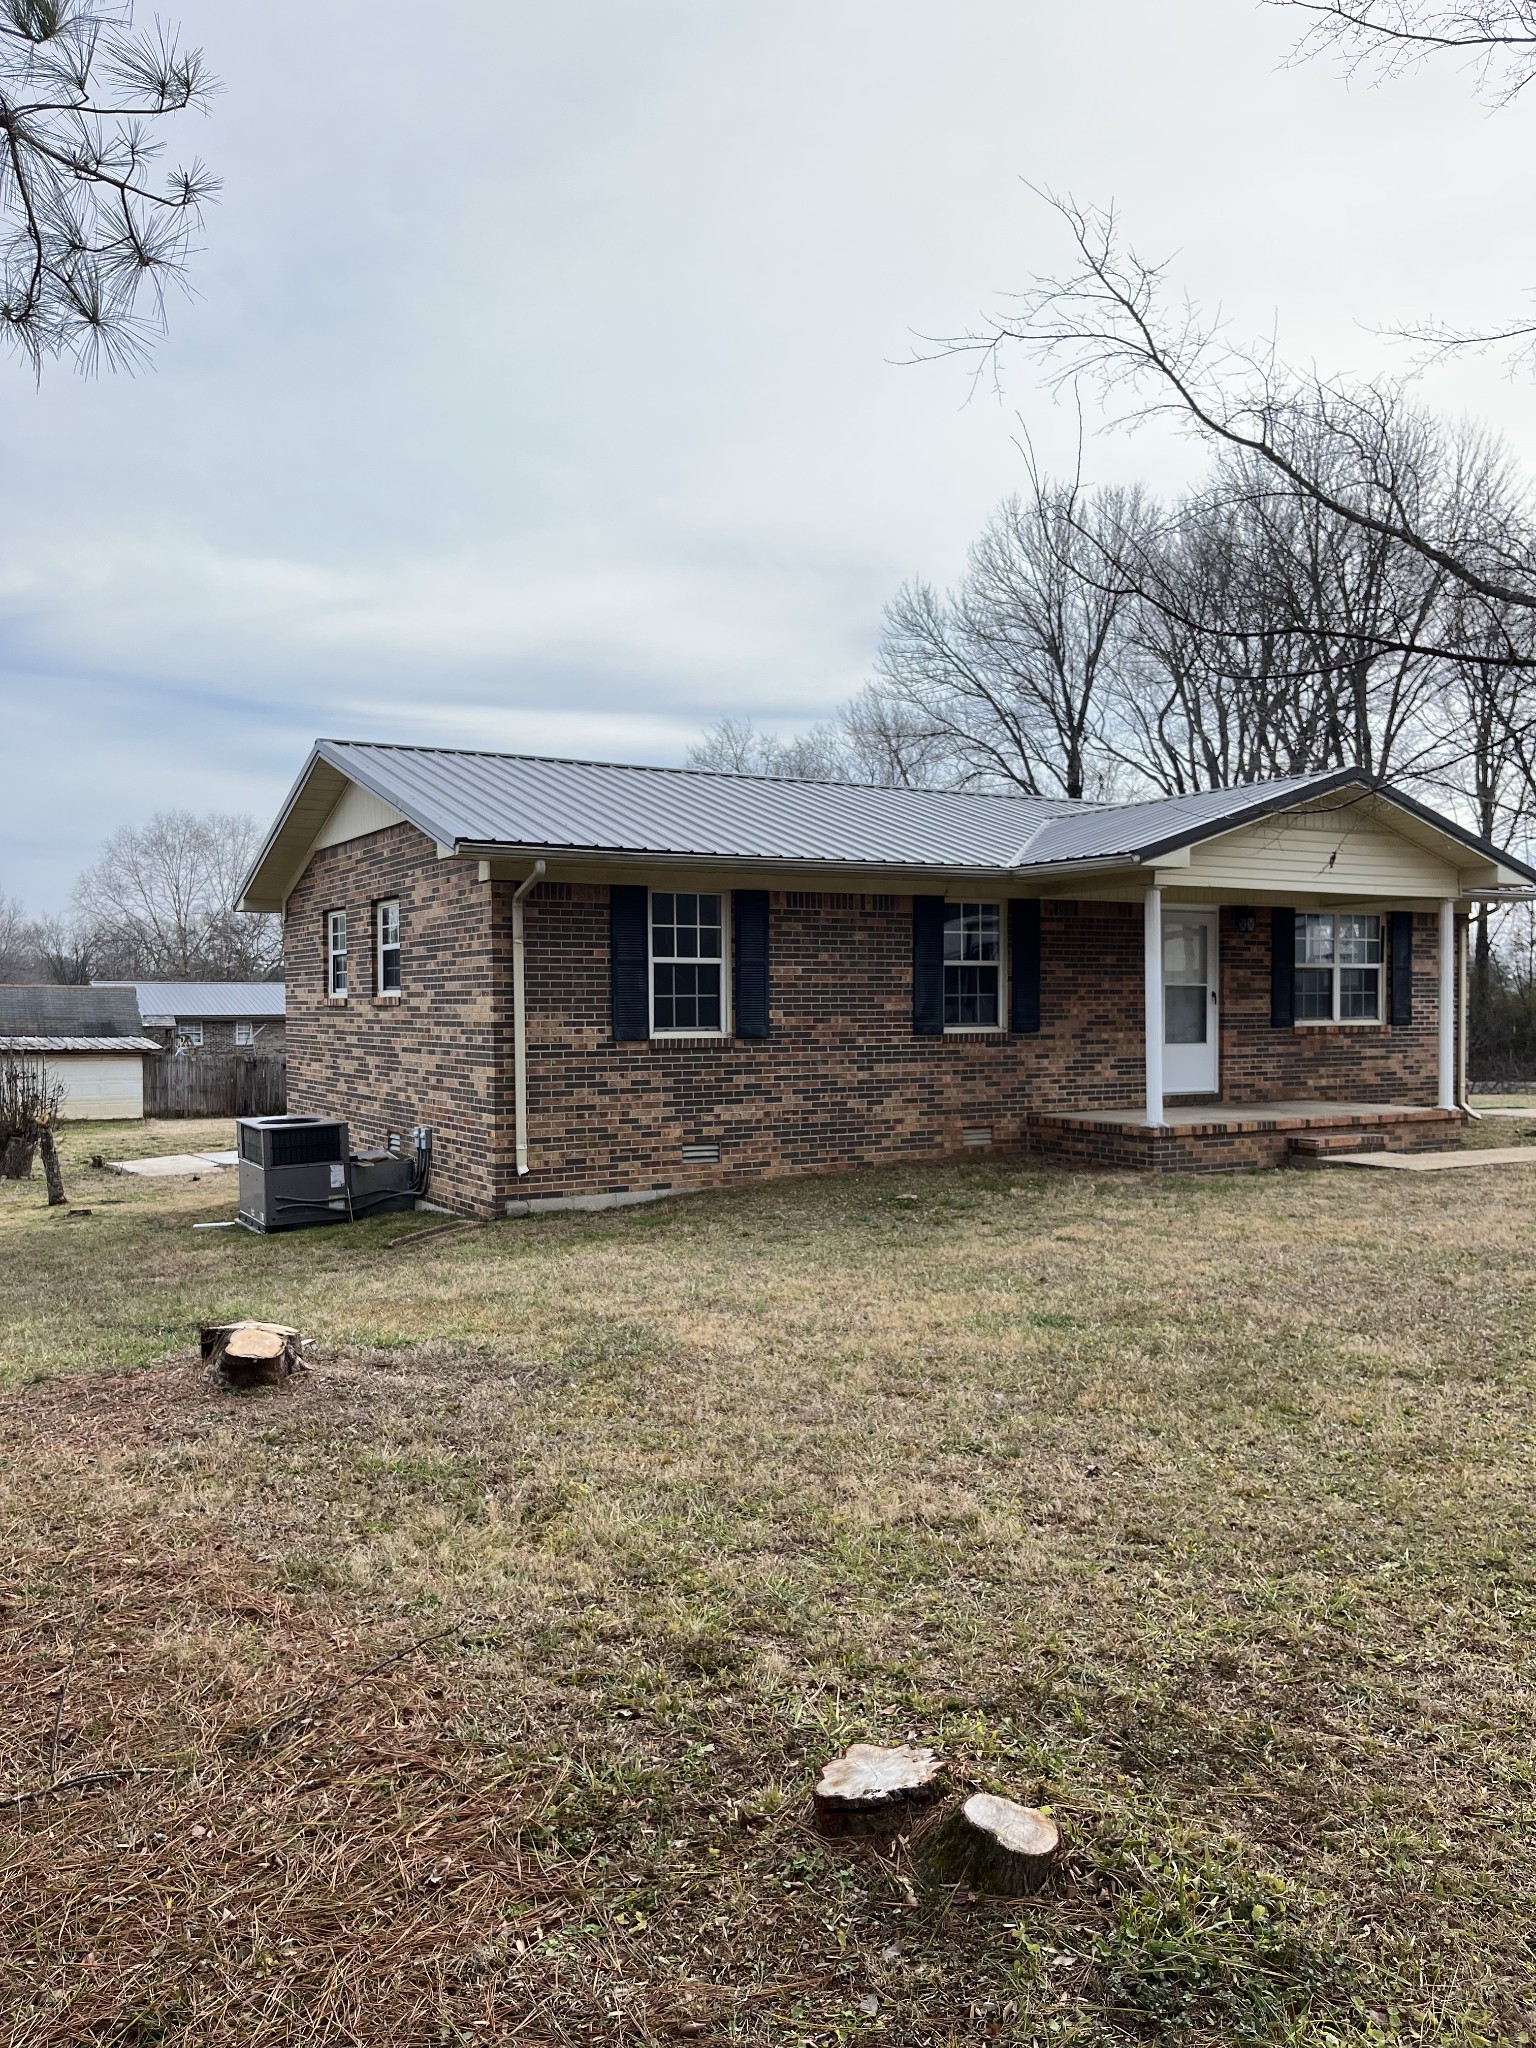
994	1845
870	1790
250	1354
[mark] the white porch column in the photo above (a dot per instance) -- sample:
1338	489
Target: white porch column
1152	921
1447	1005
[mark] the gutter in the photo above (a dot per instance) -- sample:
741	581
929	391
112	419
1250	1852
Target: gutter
520	1020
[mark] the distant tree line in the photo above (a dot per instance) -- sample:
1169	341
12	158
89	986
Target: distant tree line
157	904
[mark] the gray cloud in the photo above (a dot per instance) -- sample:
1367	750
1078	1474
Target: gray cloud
544	388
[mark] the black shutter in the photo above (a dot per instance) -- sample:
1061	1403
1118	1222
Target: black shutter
1402	967
928	964
749	920
1282	969
630	928
1024	960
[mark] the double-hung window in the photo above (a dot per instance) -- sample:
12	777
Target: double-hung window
388	943
973	966
192	1033
336	953
1338	967
687	963
244	1035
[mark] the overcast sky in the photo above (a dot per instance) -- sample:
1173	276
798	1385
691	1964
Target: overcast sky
545	386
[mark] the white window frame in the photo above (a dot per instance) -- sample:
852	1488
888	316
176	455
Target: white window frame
244	1024
1335	1022
191	1032
388	995
999	1029
655	960
335	955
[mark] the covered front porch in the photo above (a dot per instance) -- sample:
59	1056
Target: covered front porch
1280	1033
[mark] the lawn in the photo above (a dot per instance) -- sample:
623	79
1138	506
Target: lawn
472	1689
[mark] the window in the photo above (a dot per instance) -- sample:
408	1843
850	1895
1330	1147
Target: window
192	1033
389	949
336	953
973	966
244	1035
1338	967
687	962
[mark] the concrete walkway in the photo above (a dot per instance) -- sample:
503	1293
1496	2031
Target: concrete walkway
174	1163
1433	1162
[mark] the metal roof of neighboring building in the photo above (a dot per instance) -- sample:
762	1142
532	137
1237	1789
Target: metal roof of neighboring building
52	1013
50	1046
205	1000
475	802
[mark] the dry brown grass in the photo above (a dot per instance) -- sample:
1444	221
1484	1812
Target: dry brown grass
1199	1510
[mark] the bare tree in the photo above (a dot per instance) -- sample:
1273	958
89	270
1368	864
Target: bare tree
15	938
1109	322
1006	678
90	236
736	746
158	903
1390	36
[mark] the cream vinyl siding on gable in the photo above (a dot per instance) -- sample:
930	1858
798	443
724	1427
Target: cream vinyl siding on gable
1320	852
357	813
106	1086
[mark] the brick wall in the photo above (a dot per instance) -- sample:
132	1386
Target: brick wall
1350	1062
430	1056
842	1081
219	1036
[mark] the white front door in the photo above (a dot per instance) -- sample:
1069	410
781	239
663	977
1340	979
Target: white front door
1191	1007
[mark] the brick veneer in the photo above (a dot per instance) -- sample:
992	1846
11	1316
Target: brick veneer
434	1054
219	1036
842	1080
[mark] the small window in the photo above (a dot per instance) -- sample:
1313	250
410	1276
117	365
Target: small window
244	1035
192	1034
336	953
687	962
973	966
389	949
1338	968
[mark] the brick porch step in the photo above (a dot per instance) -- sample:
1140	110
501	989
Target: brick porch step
1321	1144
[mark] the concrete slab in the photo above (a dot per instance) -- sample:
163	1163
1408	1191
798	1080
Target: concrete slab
174	1163
1433	1162
1523	1116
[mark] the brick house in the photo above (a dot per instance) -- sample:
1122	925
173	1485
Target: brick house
604	984
211	1016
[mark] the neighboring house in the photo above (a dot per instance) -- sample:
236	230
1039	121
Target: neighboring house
90	1038
728	977
210	1016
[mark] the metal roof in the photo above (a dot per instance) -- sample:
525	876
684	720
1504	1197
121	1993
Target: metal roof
52	1045
474	802
51	1011
205	999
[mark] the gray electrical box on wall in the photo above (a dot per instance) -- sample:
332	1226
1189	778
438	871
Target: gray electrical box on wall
293	1172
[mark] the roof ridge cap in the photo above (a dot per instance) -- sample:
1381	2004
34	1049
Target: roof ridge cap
706	774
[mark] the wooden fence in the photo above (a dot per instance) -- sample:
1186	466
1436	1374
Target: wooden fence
215	1084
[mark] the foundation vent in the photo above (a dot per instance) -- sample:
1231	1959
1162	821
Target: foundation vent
701	1155
976	1134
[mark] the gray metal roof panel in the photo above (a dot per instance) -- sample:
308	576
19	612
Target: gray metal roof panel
519	800
50	1045
205	999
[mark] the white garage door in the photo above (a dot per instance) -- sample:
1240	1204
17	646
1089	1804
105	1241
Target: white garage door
100	1084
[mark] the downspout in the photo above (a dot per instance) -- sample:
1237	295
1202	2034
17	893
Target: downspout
520	1020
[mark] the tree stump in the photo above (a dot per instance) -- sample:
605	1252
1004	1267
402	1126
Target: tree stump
995	1845
870	1790
244	1355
